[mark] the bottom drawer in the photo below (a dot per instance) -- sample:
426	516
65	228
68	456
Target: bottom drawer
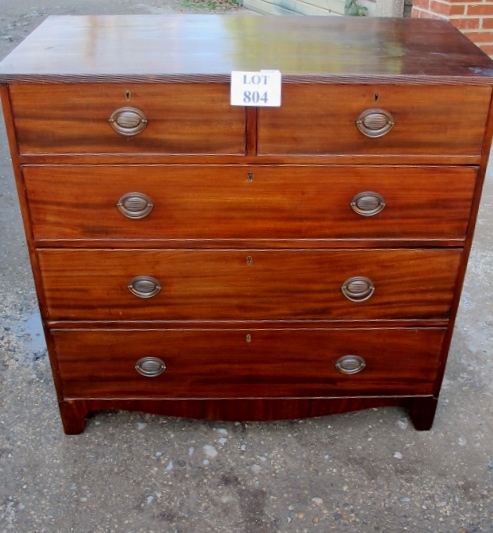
247	363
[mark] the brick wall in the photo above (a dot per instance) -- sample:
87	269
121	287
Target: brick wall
474	19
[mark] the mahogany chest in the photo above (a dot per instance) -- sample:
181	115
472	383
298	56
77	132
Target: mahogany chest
194	258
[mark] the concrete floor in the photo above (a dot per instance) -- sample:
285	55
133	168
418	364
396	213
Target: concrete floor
364	472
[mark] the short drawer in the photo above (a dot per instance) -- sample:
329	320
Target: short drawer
248	284
149	203
127	119
247	363
370	120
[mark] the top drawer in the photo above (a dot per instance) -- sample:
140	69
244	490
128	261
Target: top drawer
393	120
127	119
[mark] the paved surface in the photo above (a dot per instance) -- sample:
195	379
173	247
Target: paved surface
363	472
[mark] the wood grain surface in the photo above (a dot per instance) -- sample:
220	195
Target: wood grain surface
223	364
424	120
222	285
248	203
74	411
183	47
61	119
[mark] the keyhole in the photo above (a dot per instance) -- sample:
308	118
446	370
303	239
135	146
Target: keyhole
248	337
128	95
377	96
249	260
250	177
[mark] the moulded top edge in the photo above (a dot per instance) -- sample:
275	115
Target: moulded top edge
306	79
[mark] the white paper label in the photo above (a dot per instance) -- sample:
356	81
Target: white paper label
258	89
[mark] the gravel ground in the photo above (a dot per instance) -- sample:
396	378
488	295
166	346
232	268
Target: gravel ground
364	472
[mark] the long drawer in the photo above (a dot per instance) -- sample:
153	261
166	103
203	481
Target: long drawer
230	202
246	363
396	120
248	284
127	119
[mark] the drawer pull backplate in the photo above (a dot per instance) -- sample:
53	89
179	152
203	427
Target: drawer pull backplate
367	204
150	367
128	121
135	205
375	123
144	286
358	289
350	364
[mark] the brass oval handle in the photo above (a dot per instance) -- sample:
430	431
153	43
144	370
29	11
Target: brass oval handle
128	121
375	123
135	205
144	286
358	289
350	364
367	204
150	367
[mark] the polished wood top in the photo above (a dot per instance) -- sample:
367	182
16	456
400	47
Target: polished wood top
209	47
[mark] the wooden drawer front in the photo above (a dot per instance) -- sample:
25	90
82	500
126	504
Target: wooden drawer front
321	119
69	202
248	284
181	119
247	363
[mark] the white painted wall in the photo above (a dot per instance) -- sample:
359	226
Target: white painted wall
376	8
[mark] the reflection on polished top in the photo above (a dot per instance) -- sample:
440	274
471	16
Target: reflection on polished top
211	46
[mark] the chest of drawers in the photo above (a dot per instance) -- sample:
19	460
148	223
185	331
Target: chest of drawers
194	258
